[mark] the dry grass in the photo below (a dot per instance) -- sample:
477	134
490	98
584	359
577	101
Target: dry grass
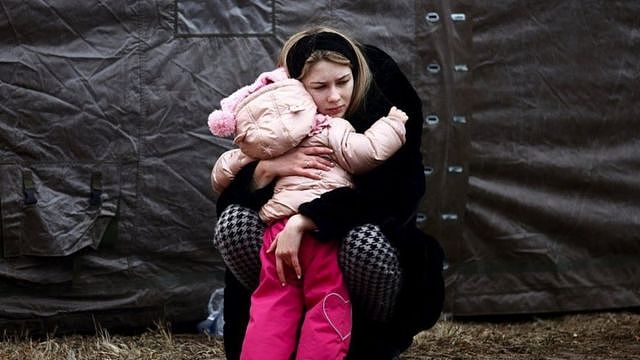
157	344
583	336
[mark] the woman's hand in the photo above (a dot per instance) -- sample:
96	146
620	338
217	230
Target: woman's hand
299	161
287	243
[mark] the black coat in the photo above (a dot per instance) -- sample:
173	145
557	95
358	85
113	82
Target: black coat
387	196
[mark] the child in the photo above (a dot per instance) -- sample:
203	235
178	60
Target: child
268	118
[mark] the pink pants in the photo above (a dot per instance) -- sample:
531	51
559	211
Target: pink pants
310	317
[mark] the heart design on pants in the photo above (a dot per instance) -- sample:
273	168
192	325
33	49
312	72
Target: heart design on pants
337	311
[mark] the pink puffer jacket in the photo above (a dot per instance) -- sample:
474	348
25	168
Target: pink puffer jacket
354	153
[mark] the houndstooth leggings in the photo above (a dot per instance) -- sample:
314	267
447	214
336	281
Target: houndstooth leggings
369	263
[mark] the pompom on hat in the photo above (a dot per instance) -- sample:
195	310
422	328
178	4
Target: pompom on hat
222	122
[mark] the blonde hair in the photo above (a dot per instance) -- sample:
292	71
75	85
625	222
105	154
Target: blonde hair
361	79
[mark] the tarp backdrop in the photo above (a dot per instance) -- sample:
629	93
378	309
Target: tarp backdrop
530	148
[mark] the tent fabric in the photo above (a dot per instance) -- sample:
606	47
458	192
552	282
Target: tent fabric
105	207
547	202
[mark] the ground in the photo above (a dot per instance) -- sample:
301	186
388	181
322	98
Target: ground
610	335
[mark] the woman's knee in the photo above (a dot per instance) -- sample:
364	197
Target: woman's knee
237	226
372	271
367	250
238	238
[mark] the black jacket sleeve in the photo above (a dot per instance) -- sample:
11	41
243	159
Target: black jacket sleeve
388	195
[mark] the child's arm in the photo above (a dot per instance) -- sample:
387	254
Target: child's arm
358	153
226	168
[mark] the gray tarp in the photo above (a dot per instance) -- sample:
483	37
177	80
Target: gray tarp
549	198
530	130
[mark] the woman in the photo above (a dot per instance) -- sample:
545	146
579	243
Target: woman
393	270
308	316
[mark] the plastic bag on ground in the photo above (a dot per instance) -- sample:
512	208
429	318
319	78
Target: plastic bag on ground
213	325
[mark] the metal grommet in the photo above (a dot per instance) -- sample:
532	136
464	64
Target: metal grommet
461	68
432	17
428	170
455	169
458	119
421	217
449	217
432	120
433	68
458	17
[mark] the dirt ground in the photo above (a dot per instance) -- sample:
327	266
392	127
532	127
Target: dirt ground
613	335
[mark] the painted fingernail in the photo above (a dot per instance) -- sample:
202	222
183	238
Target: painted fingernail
299	277
283	284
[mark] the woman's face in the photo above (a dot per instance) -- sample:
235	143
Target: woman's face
331	86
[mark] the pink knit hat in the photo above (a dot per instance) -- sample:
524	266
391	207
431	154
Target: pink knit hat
223	122
269	117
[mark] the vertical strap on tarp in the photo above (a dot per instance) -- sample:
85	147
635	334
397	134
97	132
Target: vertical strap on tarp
28	188
95	198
